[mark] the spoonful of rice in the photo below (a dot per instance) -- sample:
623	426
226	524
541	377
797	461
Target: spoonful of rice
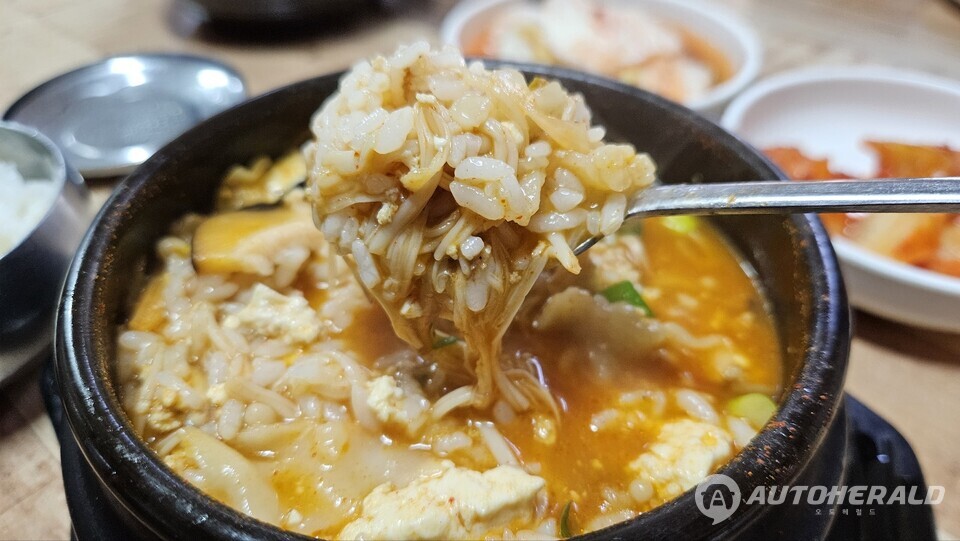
448	188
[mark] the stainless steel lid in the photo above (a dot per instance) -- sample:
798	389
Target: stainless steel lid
110	116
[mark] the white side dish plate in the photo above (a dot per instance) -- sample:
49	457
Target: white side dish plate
828	113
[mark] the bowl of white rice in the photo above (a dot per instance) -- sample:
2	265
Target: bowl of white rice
43	214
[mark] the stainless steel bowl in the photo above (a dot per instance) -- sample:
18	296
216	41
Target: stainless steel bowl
31	274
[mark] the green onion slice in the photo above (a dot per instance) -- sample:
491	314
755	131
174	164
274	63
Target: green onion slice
625	292
565	520
680	224
445	341
756	408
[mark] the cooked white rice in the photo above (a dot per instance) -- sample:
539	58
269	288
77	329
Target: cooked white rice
451	186
22	206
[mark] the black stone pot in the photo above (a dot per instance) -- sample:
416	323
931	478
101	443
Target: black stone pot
803	444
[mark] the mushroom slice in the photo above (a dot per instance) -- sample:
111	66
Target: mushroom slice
248	241
262	183
619	327
150	312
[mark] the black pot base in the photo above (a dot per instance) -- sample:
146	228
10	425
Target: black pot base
877	455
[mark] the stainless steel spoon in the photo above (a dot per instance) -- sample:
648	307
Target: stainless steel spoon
776	197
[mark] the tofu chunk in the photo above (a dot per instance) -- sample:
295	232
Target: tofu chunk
615	259
685	452
457	503
396	406
274	315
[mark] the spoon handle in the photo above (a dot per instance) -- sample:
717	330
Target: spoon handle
775	197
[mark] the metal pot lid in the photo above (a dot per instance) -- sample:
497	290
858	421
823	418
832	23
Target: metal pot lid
110	116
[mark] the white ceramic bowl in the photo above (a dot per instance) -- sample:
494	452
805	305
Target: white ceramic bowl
829	112
726	32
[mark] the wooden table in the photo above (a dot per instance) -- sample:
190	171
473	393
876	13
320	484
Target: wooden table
910	377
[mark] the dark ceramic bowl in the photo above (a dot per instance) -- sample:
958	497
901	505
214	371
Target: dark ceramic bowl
804	443
276	11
